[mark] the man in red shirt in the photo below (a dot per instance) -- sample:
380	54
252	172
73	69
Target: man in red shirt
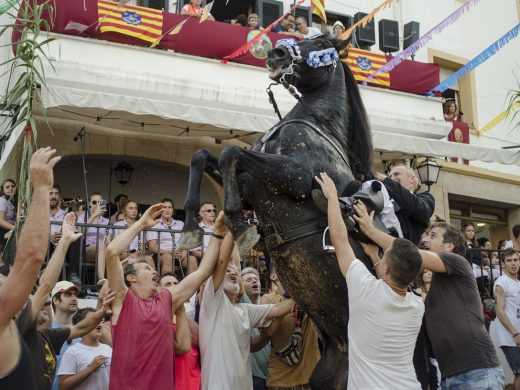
142	333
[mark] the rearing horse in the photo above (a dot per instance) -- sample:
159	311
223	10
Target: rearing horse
326	131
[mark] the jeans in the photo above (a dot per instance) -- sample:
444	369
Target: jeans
258	383
479	379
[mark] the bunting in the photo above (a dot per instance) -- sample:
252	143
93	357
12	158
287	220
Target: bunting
363	21
250	44
363	63
318	9
479	59
499	118
422	41
139	22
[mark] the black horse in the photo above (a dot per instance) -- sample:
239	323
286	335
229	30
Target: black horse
327	131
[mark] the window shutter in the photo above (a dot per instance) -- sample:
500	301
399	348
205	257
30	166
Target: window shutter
269	11
445	73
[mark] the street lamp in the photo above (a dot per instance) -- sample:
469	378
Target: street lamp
429	171
123	172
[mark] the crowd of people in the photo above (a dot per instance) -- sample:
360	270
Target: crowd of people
212	328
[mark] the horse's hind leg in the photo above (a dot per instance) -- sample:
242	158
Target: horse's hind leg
331	372
201	161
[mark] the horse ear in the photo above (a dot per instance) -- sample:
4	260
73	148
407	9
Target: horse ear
342	46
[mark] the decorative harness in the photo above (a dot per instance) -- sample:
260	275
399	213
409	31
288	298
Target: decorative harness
316	59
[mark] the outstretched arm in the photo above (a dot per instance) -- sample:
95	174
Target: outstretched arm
33	241
52	272
337	228
187	287
430	260
280	309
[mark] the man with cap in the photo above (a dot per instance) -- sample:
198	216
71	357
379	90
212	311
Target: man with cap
43	343
64	298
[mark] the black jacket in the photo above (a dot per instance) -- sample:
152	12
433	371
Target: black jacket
413	210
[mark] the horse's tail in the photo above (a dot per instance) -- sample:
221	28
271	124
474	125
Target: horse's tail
359	135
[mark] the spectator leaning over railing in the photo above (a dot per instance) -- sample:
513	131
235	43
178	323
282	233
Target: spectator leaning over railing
453	309
95	237
142	333
193	8
15	358
385	318
507	294
33	322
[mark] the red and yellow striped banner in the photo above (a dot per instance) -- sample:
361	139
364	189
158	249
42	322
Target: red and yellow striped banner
363	63
318	8
139	22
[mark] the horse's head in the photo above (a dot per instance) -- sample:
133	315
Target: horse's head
307	64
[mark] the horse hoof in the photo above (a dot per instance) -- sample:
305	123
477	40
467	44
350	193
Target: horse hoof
247	240
190	239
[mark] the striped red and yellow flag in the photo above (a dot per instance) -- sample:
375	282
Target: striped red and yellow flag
139	22
318	8
363	63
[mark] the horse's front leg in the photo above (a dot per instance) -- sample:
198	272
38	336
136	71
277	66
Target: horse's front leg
201	161
281	174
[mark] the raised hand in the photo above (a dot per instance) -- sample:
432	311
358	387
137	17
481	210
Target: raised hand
67	229
327	186
107	301
150	215
362	217
41	167
220	226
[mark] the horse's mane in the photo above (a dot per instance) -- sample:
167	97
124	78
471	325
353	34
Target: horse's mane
360	148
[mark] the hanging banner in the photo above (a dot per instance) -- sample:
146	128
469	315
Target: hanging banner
363	63
422	41
139	22
499	118
479	59
460	134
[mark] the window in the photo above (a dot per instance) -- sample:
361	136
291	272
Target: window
268	11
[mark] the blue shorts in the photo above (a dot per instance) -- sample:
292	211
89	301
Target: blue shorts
479	379
513	358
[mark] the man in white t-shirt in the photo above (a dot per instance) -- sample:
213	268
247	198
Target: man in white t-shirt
86	365
225	326
507	293
384	318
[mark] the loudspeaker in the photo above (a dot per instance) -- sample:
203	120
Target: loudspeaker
388	35
365	36
411	33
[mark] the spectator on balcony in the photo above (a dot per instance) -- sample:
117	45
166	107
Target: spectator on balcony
119	201
304	29
194	9
86	365
73	252
253	22
164	244
7	209
136	246
338	28
16	363
451	111
207	214
95	237
240	20
472	251
286	27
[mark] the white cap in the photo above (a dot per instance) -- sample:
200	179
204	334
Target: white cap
63	286
338	23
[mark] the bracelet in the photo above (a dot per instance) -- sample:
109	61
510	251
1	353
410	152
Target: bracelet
376	264
218	236
516	334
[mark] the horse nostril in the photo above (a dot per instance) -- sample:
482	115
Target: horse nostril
279	52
